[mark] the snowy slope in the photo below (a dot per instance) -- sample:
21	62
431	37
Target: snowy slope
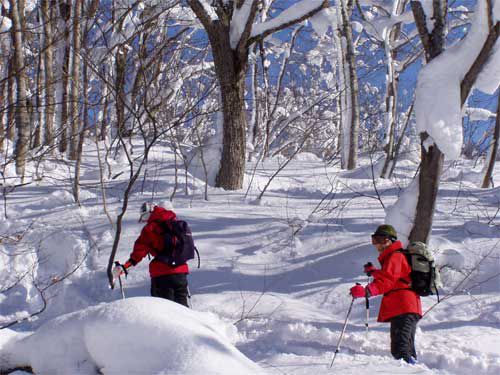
278	270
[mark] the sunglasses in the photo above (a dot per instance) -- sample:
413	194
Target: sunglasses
377	239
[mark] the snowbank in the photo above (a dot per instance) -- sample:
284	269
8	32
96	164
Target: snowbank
137	335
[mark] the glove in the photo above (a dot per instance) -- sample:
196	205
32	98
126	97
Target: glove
358	291
119	270
369	268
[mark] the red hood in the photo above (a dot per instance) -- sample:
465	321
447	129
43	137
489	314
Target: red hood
161	214
388	251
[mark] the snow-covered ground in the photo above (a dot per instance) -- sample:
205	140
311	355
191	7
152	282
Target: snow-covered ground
274	274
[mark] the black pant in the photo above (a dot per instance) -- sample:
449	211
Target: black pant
172	287
403	329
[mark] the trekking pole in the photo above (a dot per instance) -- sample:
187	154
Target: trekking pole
342	333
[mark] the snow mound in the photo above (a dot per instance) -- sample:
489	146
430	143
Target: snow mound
137	335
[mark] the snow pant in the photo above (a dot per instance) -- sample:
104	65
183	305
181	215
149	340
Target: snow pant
172	287
403	329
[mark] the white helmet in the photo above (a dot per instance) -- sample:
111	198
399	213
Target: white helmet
146	209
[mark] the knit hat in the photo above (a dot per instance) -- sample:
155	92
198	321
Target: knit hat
386	230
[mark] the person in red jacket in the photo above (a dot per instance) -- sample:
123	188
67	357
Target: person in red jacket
400	305
167	281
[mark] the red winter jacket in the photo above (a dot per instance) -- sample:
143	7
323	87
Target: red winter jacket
151	241
390	281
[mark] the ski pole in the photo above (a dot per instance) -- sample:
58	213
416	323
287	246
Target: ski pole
190	305
120	282
367	300
342	333
367	304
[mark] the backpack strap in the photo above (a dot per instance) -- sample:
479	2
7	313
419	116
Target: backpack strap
198	255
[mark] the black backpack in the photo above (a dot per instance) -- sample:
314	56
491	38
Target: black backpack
425	276
179	245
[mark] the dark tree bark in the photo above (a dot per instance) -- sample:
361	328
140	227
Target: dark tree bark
120	72
230	67
65	11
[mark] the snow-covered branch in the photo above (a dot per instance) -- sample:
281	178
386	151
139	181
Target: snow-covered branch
291	16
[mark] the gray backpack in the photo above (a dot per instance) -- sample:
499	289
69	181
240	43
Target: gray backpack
425	277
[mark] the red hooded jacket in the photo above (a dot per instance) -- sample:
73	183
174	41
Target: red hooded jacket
392	281
151	241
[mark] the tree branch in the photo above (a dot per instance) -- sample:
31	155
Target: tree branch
419	16
200	12
478	65
242	44
272	30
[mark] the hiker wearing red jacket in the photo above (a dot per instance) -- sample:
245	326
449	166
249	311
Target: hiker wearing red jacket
167	281
400	305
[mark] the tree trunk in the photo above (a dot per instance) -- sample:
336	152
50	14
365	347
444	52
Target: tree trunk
104	120
391	100
120	66
81	135
11	98
230	68
37	119
255	120
48	57
431	166
65	10
75	80
488	176
22	123
350	118
2	114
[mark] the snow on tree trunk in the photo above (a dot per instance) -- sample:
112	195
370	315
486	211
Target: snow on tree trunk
22	121
440	96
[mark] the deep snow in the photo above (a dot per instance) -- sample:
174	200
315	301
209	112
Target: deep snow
278	272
